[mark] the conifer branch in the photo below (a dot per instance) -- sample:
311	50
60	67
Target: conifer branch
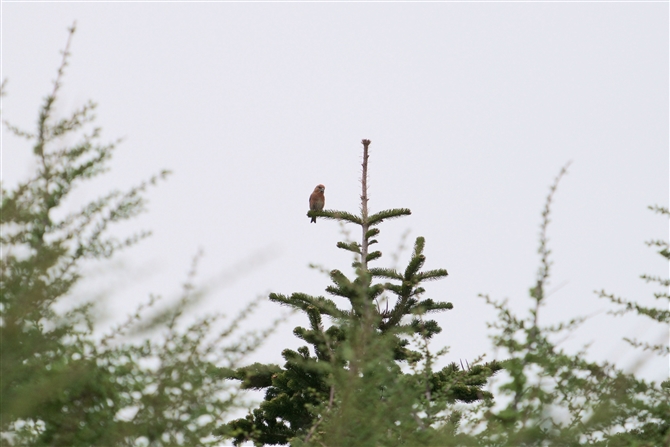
336	215
374	255
379	217
419	244
385	273
353	247
428	305
371	233
431	275
304	301
414	265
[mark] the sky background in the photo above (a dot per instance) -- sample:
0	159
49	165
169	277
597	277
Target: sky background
472	109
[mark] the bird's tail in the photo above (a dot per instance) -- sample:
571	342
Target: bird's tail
313	219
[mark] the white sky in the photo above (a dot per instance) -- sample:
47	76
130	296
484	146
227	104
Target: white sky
472	110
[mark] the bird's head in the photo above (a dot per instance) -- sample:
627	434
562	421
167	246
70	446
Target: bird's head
320	188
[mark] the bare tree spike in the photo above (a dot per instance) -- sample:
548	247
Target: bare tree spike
364	206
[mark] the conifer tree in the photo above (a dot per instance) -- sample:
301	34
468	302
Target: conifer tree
550	396
363	346
61	384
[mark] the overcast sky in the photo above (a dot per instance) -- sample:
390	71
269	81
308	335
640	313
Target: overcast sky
472	110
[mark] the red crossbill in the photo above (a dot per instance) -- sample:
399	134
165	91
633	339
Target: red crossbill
317	200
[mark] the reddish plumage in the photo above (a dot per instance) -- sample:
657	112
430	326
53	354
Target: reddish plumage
317	200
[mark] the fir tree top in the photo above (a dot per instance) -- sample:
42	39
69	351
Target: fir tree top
296	394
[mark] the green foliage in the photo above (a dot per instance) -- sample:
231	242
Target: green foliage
550	397
351	385
61	385
656	314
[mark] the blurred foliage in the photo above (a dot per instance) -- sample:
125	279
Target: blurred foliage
60	384
551	397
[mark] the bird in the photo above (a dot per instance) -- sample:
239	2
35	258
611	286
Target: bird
317	200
